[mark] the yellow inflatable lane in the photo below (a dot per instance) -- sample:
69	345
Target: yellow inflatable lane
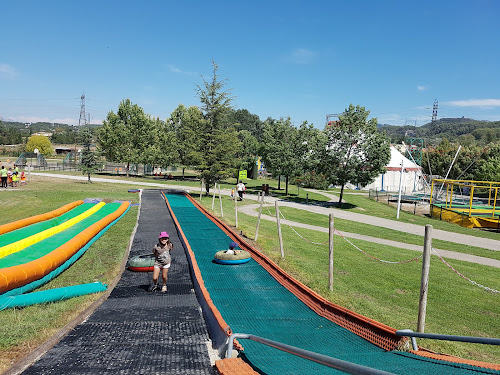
28	241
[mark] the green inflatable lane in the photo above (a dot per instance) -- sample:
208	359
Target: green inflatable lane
51	243
18	234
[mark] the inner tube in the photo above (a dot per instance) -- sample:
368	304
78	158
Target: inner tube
142	263
240	257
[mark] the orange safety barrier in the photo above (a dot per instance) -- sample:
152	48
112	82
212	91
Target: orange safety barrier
16	276
9	227
233	366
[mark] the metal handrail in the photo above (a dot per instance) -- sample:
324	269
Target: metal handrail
338	364
472	339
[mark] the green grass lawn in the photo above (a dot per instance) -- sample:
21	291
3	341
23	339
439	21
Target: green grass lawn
343	225
388	293
32	325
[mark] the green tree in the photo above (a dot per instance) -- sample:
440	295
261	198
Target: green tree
217	144
130	136
168	154
249	151
88	162
185	125
242	119
40	142
489	170
355	151
280	149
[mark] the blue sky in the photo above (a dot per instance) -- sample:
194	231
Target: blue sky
303	59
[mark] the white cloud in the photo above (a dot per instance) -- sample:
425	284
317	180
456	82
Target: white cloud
475	103
7	71
175	69
421	88
302	56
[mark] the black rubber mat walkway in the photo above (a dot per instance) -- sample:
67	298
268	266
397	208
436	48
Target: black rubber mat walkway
133	331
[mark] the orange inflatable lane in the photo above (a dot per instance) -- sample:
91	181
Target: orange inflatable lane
9	227
16	276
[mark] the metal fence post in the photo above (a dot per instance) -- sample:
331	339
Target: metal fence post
424	283
330	252
279	229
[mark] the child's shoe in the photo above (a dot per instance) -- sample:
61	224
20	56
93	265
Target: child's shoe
164	289
153	287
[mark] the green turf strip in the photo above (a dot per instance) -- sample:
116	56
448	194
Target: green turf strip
51	243
251	301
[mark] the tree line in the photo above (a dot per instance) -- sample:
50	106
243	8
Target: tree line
217	140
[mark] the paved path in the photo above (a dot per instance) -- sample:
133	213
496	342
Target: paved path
342	214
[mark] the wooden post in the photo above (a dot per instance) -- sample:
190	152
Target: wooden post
424	284
260	214
279	229
213	198
236	211
330	252
201	190
220	200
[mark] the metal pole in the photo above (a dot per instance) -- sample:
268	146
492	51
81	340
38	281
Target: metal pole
330	252
279	229
400	186
424	284
236	211
213	198
201	190
449	169
260	214
220	200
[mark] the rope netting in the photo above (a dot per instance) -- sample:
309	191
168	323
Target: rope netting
463	276
387	261
356	247
378	259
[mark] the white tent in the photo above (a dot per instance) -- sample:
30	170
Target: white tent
389	181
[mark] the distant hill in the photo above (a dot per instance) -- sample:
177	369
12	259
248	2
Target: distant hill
17	132
464	130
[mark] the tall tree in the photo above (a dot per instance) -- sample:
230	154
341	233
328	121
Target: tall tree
280	149
88	161
219	143
355	152
167	149
185	124
130	136
242	119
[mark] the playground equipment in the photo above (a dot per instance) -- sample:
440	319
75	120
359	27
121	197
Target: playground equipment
468	203
22	160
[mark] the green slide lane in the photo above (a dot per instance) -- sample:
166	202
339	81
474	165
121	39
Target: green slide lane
252	301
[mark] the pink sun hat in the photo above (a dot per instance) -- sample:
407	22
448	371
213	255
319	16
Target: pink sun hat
163	235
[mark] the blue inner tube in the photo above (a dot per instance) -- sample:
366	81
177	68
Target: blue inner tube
240	257
236	261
